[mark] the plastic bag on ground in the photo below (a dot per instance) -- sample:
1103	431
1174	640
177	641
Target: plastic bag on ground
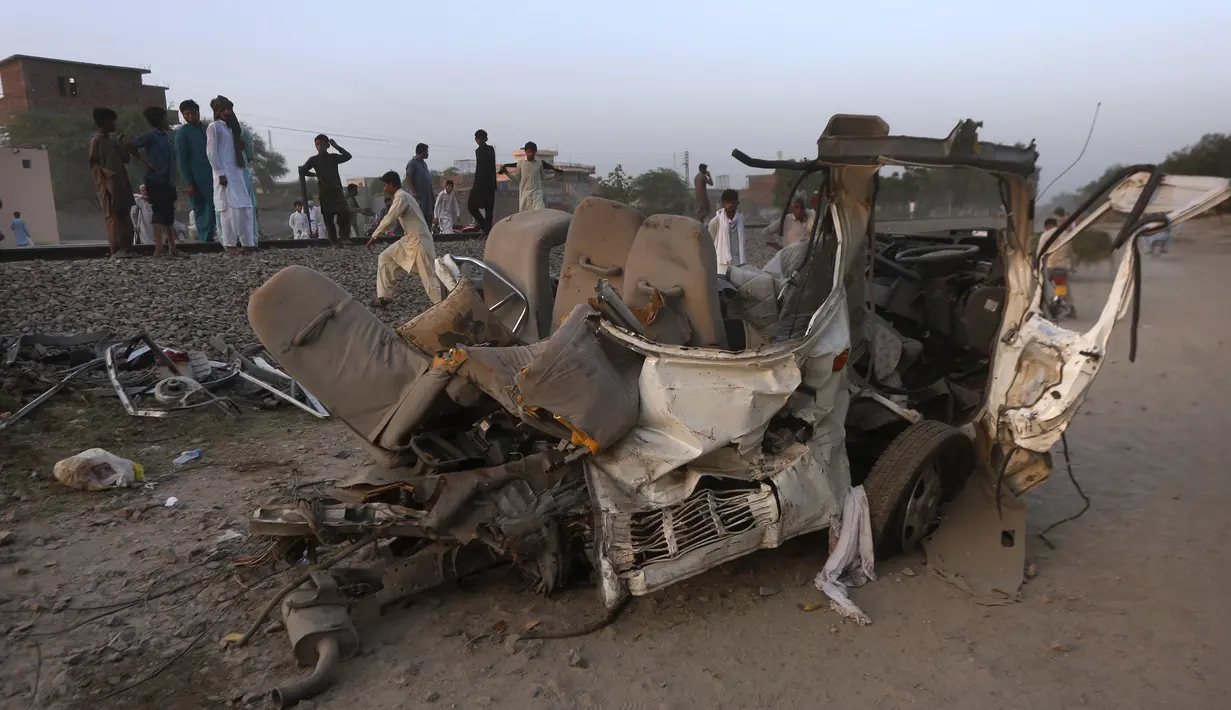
97	470
852	562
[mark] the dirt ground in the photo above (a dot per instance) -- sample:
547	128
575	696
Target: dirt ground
1128	611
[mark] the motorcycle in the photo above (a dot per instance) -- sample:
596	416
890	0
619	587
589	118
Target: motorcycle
1060	303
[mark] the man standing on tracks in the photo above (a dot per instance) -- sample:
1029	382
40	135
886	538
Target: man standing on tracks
159	177
324	167
701	183
225	147
482	200
109	165
419	182
530	178
194	169
415	251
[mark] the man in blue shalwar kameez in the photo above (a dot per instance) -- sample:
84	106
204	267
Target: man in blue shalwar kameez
194	169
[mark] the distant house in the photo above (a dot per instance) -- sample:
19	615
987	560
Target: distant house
39	83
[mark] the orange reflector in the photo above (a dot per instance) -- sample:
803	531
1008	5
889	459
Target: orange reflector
839	360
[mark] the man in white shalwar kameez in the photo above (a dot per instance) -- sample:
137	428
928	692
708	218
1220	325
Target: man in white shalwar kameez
447	209
415	251
530	179
143	218
727	229
225	149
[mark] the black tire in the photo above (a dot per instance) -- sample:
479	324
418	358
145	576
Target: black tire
892	480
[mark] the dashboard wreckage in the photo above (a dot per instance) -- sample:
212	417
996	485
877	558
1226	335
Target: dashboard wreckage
645	418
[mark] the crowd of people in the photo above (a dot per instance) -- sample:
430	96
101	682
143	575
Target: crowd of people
214	163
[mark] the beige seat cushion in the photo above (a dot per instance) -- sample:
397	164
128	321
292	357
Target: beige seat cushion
461	319
599	239
368	377
519	248
674	257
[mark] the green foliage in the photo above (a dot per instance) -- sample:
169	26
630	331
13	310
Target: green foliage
1211	155
617	186
1091	246
662	191
66	138
268	166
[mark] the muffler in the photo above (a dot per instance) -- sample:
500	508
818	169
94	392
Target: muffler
318	623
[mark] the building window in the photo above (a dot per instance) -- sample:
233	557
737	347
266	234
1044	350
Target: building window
72	86
67	85
25	164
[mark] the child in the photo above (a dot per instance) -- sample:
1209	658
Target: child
301	227
447	209
20	231
108	164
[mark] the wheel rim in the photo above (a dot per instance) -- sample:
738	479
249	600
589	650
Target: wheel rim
922	507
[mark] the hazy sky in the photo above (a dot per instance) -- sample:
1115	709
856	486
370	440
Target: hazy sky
635	82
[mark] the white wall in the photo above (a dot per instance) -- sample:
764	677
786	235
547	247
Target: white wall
27	190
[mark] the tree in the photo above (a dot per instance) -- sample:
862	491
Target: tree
617	186
66	138
662	191
1211	155
267	165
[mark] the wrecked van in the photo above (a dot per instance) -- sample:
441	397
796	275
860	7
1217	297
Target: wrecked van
644	418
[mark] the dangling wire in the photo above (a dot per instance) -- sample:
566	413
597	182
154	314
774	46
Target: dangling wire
1093	121
1068	464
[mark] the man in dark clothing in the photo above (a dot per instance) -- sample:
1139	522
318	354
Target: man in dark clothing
419	182
482	200
701	183
159	176
323	166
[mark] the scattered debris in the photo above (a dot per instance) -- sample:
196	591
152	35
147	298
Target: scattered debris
810	606
1032	571
575	660
908	572
186	457
96	470
171	502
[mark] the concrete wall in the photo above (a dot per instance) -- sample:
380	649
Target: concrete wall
25	186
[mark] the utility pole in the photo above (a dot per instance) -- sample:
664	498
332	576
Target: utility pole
269	137
687	171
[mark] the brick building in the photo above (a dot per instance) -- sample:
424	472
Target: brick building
60	85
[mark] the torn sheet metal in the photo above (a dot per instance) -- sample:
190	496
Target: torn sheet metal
46	340
853	561
980	547
39	400
696	401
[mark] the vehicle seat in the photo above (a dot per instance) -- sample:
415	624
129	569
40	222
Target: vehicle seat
368	377
460	319
597	247
673	264
519	249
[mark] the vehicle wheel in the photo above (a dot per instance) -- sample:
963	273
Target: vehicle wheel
924	466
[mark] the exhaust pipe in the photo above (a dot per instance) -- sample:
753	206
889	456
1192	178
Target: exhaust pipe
321	635
327	658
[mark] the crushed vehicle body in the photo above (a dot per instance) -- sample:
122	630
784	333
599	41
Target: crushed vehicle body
645	418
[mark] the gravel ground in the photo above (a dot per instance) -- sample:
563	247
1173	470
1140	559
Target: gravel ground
184	302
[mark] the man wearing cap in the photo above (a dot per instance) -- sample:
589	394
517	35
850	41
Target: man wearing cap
232	201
